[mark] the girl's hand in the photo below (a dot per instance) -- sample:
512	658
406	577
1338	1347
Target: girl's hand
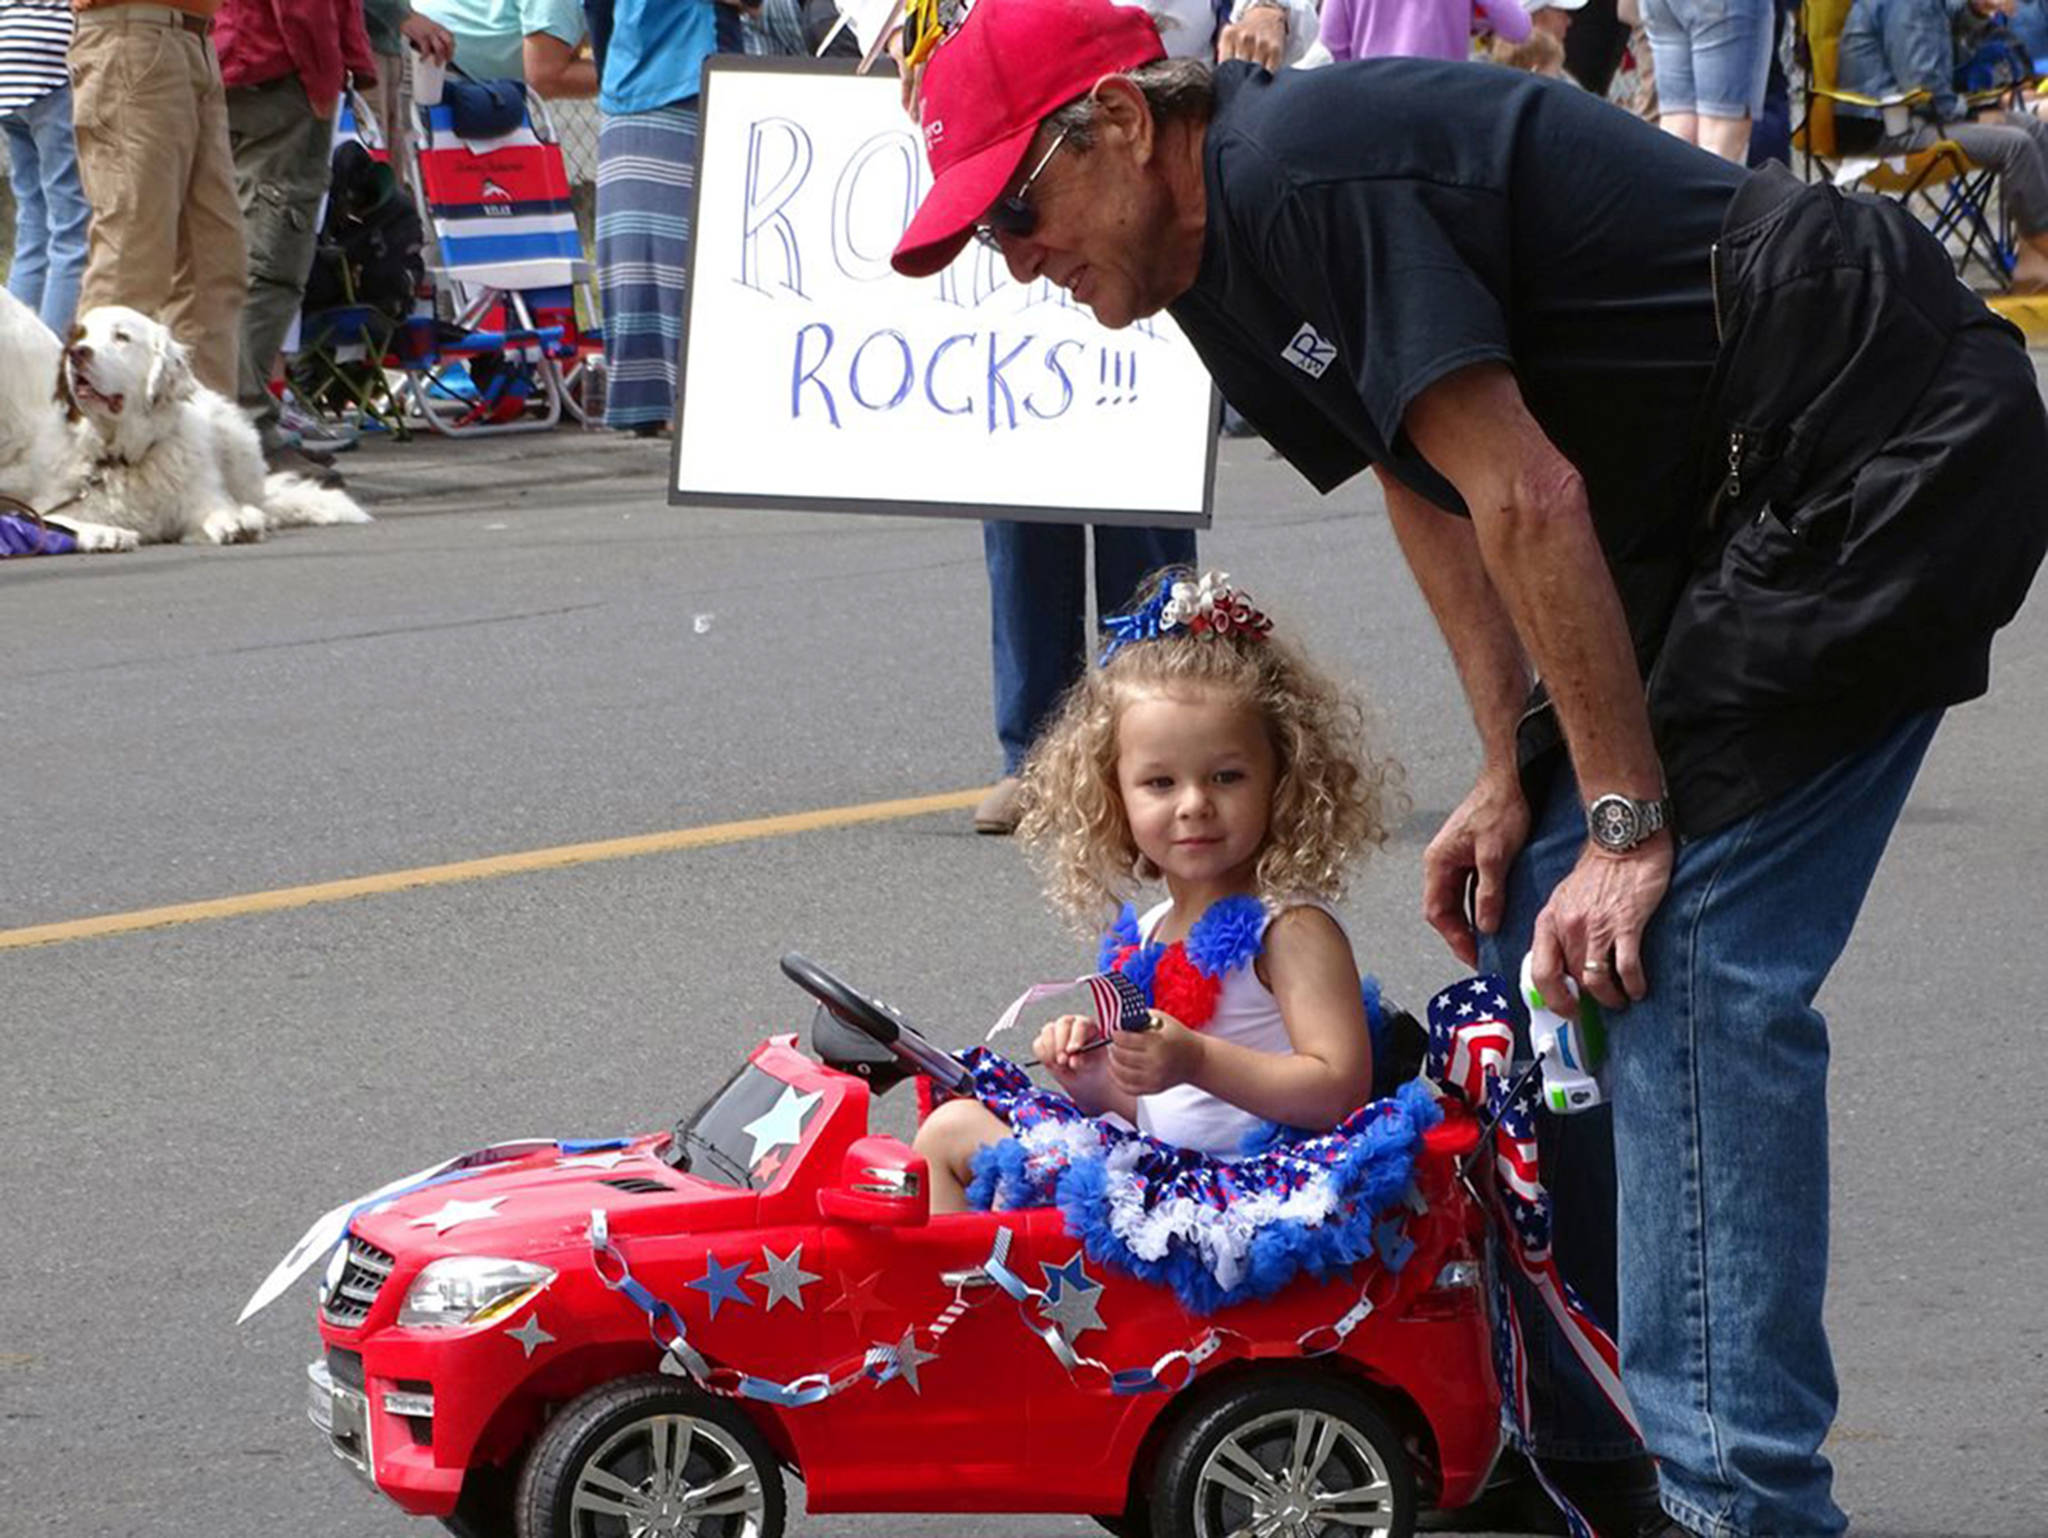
1145	1062
1063	1045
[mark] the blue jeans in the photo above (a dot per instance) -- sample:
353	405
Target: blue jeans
1038	609
1720	1153
1713	57
51	215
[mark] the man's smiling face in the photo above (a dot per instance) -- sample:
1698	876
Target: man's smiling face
1102	215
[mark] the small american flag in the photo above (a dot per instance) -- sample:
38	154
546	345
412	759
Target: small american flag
1119	1003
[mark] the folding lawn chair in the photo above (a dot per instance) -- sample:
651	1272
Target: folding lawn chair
1950	193
337	368
512	255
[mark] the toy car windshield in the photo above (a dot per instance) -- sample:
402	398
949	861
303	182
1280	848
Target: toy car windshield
746	1132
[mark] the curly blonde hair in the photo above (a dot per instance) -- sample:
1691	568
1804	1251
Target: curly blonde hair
1333	796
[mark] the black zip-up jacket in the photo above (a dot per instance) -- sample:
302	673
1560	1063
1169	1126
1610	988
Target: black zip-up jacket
1874	495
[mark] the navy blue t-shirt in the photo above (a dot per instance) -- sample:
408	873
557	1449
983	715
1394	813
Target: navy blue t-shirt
1376	225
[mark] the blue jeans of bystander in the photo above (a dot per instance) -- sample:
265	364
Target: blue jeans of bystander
51	215
1038	609
1720	1151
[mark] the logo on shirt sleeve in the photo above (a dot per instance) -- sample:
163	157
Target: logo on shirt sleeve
1309	352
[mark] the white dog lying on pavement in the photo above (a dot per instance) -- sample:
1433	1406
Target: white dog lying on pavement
36	449
156	452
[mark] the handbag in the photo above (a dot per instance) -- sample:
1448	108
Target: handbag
484	109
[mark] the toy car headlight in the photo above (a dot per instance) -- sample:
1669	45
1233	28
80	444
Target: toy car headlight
471	1289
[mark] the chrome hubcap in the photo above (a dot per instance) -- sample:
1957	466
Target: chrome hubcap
1293	1474
669	1476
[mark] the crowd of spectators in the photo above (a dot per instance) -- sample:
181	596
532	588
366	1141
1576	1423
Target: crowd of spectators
173	157
193	140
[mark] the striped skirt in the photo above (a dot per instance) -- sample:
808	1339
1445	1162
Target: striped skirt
646	176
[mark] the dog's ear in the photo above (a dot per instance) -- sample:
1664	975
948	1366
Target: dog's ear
62	393
170	369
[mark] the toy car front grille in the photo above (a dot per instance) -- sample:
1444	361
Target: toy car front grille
362	1278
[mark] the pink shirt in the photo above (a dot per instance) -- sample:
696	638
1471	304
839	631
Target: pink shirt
1416	29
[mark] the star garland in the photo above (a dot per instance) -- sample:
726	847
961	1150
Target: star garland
1067	1306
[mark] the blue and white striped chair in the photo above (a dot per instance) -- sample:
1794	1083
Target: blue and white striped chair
513	258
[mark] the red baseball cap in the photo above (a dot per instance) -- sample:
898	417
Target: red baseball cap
986	89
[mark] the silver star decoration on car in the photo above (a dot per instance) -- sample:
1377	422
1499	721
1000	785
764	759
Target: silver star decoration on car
1073	1297
596	1161
909	1358
530	1334
782	1124
785	1276
455	1210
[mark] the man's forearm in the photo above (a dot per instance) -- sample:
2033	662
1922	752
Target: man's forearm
1535	535
1443	552
1549	570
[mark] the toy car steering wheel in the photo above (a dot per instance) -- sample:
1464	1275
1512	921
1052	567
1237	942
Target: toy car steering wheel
873	1019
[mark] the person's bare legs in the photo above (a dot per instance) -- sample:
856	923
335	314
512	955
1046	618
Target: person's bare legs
949	1140
1680	125
1727	137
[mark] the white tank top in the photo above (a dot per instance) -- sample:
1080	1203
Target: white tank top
1246	1013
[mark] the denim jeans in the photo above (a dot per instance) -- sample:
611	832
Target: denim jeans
1718	1086
1713	57
1038	609
51	216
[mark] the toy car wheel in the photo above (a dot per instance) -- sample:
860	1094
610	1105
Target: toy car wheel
1284	1456
645	1456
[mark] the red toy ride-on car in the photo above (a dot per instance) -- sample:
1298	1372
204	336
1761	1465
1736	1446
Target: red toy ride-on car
632	1339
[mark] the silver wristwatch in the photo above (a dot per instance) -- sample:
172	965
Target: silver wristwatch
1619	823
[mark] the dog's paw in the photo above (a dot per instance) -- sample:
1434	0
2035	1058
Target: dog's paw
232	526
99	537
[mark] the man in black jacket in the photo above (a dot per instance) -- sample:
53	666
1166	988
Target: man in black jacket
1735	466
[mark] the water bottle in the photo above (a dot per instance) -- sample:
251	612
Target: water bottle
1573	1051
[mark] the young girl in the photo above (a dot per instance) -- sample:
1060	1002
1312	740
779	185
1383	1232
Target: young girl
1204	752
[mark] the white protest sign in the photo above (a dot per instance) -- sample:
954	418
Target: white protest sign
814	377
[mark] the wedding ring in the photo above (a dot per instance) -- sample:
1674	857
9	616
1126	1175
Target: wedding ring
1594	966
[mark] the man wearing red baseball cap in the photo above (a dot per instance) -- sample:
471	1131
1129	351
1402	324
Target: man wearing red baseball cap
1732	464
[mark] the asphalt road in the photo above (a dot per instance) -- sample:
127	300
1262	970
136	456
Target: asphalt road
483	673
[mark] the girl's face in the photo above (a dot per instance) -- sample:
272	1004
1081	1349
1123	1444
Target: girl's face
1196	773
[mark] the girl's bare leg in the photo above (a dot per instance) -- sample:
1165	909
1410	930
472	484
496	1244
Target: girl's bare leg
949	1139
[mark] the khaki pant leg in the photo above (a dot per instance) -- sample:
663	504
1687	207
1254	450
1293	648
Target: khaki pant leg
206	304
133	114
283	163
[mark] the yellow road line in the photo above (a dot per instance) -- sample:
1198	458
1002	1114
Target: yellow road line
485	869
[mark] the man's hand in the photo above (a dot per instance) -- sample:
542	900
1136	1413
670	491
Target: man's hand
1592	927
429	39
907	74
1145	1062
1475	847
1260	36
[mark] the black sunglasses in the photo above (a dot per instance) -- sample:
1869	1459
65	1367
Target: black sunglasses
1013	215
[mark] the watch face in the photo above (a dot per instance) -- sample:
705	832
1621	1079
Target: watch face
1613	822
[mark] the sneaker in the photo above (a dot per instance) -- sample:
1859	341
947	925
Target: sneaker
310	432
997	812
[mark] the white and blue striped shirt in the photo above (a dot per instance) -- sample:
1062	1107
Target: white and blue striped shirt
35	35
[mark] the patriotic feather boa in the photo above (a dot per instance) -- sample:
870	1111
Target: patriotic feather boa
1216	1231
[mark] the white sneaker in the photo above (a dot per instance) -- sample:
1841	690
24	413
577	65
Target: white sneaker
311	432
